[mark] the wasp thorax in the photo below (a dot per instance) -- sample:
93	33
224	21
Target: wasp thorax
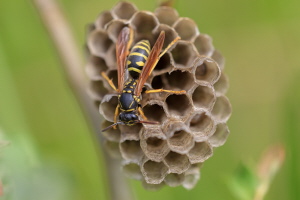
191	124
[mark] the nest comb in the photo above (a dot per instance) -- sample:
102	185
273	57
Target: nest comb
191	124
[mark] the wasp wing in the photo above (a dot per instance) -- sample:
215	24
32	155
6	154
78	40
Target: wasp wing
122	50
150	64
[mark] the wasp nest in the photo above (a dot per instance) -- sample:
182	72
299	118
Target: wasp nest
190	125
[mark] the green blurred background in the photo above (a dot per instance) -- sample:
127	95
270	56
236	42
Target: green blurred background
50	140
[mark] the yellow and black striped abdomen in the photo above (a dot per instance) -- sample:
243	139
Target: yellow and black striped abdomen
138	57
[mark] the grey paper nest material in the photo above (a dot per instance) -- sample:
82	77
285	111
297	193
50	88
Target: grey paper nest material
191	124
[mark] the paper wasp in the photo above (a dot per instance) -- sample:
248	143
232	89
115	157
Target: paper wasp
140	62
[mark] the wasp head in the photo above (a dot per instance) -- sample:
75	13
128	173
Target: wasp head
129	118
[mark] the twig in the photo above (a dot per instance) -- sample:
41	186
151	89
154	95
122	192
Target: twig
68	52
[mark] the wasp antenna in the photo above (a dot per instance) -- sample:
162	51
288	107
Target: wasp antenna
147	122
111	126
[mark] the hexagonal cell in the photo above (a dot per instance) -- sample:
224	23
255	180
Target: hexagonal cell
166	15
222	109
132	170
222	85
103	19
220	135
204	97
178	105
155	112
112	149
206	70
154	172
201	126
97	90
192	176
111	134
164	64
115	27
95	65
184	54
181	141
159	82
176	162
174	180
179	80
131	150
130	132
217	56
203	44
98	43
155	148
186	28
124	10
89	28
152	187
108	106
200	152
144	22
111	59
170	35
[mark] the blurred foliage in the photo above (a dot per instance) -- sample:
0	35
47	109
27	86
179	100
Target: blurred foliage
260	41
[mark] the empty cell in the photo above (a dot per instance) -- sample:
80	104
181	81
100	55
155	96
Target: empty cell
131	150
204	97
110	58
98	43
201	126
186	28
114	28
174	180
108	106
220	135
144	22
166	15
222	109
170	34
157	82
112	148
192	175
124	10
181	141
132	170
178	105
222	85
95	66
176	162
155	148
103	19
130	132
164	63
184	54
200	152
180	80
97	90
206	70
112	134
155	112
217	56
154	172
203	44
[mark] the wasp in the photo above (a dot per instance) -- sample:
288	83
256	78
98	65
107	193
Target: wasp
139	62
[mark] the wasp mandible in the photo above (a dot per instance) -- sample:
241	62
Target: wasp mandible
140	62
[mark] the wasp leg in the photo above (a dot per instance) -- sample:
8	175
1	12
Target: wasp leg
103	74
116	116
142	113
169	91
169	46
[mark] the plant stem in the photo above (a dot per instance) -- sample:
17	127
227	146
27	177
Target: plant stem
61	35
